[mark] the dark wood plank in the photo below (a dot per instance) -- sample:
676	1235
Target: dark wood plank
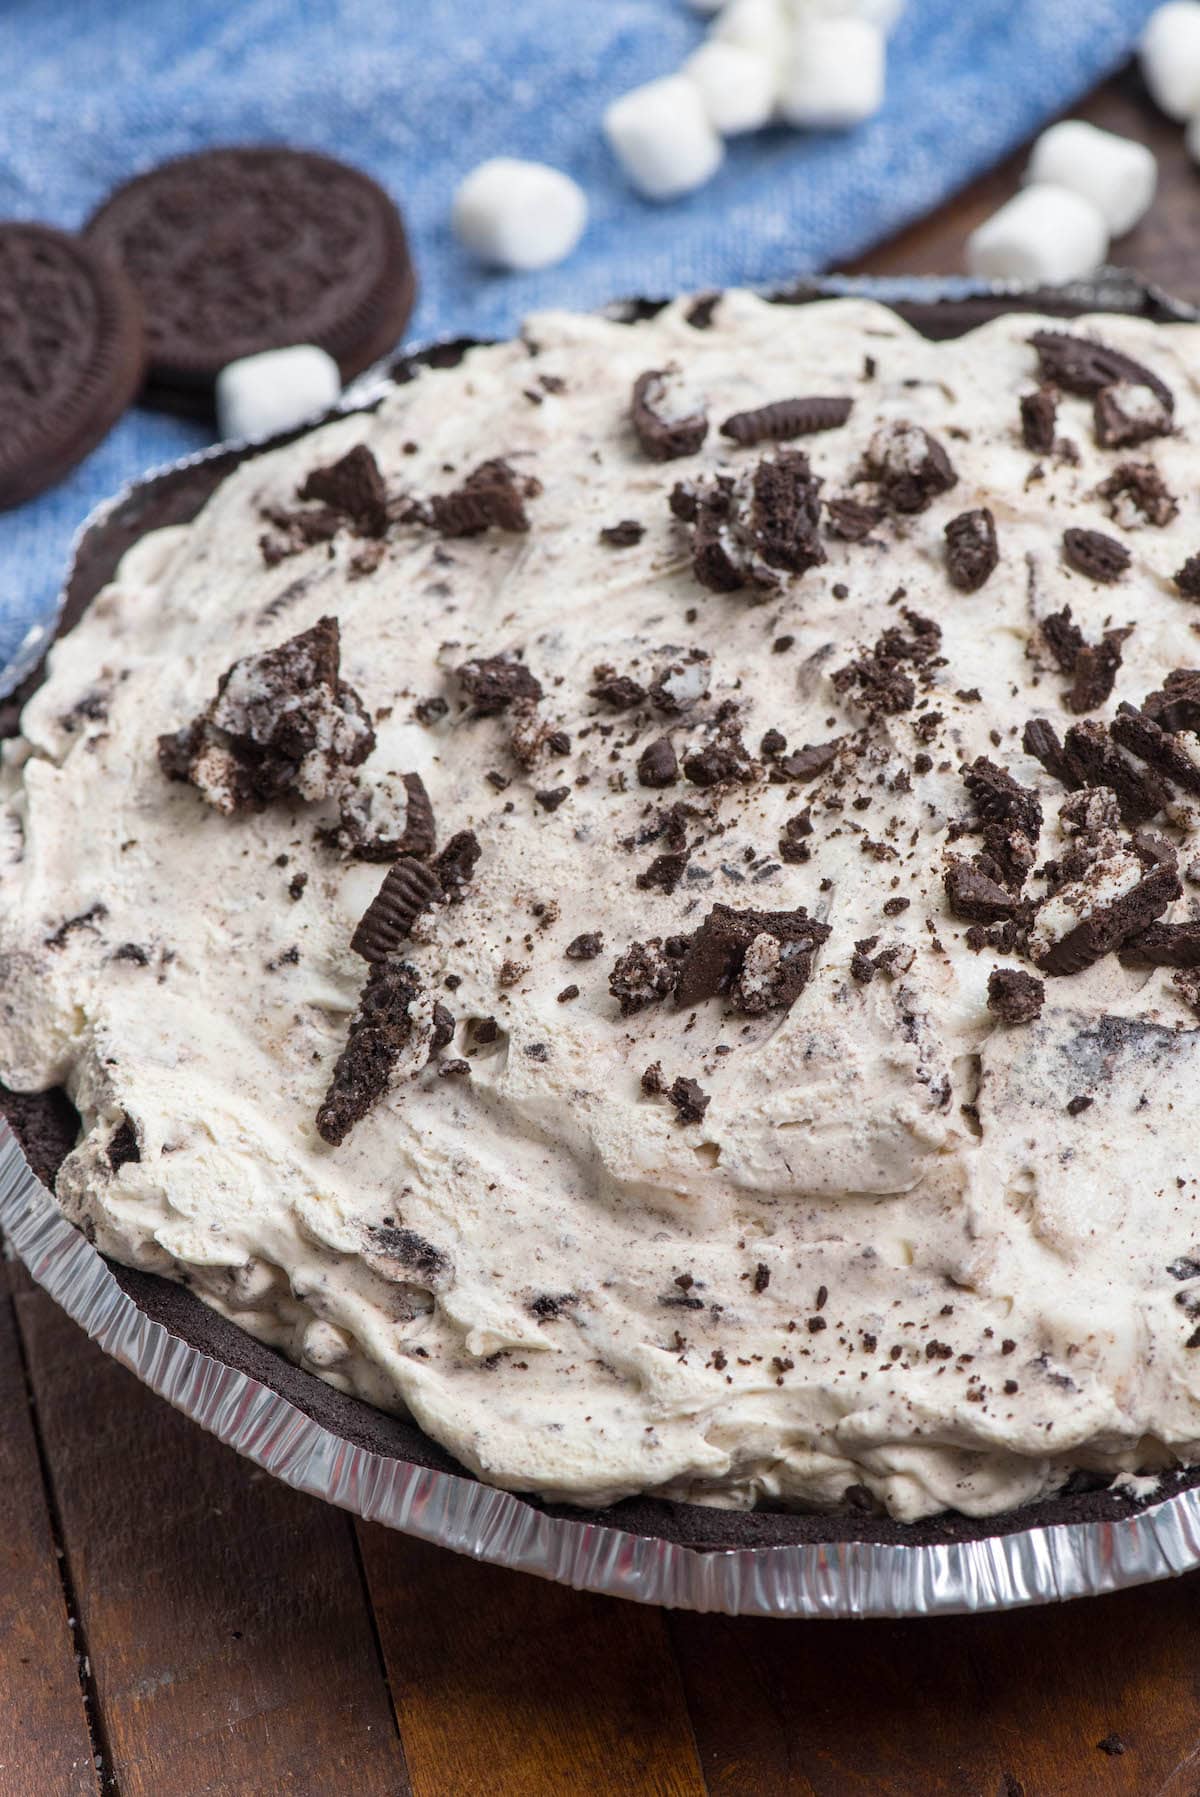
506	1686
229	1632
1163	246
956	1707
44	1740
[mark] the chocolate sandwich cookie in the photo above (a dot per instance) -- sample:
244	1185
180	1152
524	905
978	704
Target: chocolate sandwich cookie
240	250
71	354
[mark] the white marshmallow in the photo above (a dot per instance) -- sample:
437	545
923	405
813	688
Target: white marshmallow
662	137
1114	173
835	73
737	85
884	13
275	390
518	214
761	25
1044	233
1170	57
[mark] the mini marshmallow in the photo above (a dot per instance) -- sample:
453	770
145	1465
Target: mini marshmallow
1114	173
737	85
884	13
662	137
761	25
1170	57
275	390
835	74
1044	233
517	214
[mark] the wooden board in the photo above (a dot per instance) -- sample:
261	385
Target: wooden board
241	1641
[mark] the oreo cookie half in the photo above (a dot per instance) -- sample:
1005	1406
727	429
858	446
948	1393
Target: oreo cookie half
240	250
72	354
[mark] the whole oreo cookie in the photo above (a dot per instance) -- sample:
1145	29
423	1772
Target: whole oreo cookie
239	250
72	354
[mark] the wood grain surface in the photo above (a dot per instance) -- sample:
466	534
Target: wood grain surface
173	1623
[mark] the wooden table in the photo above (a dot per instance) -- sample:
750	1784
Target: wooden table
174	1623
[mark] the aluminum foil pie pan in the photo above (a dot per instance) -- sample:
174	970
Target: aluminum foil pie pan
384	1469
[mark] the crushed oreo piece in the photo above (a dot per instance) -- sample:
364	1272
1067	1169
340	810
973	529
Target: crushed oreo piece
1176	705
492	497
1084	366
1041	740
804	764
851	519
623	535
352	486
689	1100
1092	759
585	947
1063	638
1109	925
455	865
642	976
759	960
658	764
409	887
662	437
1137	733
909	465
618	691
1187	578
493	682
1164	945
1137	493
1129	413
552	797
975	895
787	418
123	1145
1077	1105
380	1030
1039	412
384	819
282	721
1095	555
1095	672
1014	997
971	549
883	687
747	531
723	761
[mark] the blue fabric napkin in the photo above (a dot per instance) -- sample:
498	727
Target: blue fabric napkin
418	94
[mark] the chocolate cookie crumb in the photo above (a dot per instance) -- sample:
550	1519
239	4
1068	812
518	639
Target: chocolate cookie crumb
282	721
1084	366
380	1030
663	438
787	418
971	549
492	496
759	960
909	465
689	1100
455	866
493	682
1038	414
123	1146
851	519
353	486
642	976
1014	997
658	764
1136	491
409	887
762	1277
552	797
623	535
585	947
1187	578
1112	1745
1095	555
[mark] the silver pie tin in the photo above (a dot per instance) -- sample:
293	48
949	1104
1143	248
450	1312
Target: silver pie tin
837	1578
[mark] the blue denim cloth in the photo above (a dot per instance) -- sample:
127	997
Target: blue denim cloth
417	94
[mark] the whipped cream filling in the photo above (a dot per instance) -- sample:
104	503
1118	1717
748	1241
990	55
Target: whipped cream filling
889	1254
